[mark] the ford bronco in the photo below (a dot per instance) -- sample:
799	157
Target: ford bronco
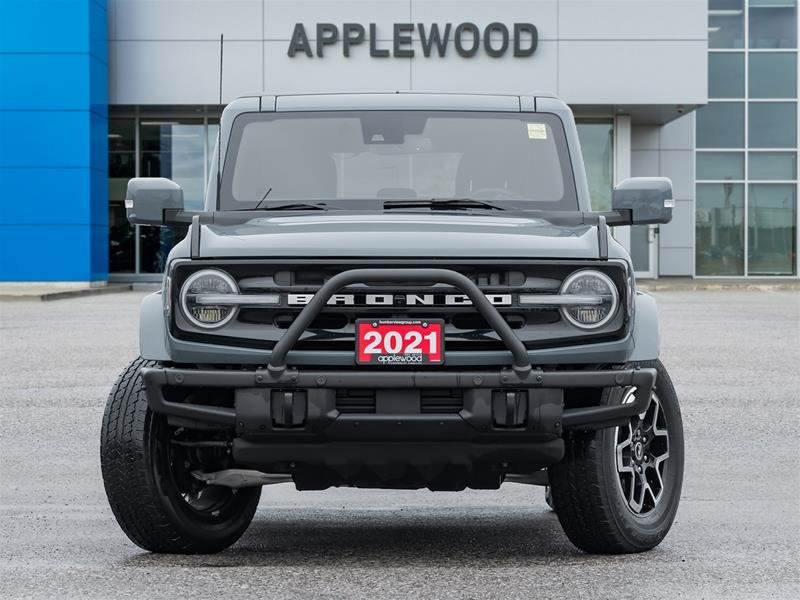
395	291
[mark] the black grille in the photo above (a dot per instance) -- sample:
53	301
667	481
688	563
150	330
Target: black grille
465	328
355	401
439	402
431	402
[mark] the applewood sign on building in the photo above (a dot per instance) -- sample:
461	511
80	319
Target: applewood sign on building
496	39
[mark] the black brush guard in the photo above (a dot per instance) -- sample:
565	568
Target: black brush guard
520	376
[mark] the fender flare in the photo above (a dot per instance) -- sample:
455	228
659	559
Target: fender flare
646	330
153	329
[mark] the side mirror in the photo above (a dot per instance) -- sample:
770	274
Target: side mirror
649	199
148	197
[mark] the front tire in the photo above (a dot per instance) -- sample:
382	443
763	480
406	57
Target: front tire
156	501
617	489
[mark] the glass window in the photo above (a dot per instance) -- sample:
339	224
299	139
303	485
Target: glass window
597	139
726	23
155	244
172	148
720	165
773	23
771	229
359	158
773	74
720	125
121	168
772	124
211	142
175	149
719	229
773	165
726	75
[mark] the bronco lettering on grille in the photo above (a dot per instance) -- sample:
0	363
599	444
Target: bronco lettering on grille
398	299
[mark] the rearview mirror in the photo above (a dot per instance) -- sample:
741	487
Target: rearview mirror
649	199
148	197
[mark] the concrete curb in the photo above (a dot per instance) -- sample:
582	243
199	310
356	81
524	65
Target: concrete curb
112	288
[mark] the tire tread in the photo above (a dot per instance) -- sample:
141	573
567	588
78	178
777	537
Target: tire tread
583	501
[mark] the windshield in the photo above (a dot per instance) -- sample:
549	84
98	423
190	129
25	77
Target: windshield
348	158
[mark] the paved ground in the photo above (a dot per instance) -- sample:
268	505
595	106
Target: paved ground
735	358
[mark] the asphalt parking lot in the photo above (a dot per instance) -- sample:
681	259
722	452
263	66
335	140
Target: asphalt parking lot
734	357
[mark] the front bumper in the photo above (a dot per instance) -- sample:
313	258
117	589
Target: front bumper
291	423
294	399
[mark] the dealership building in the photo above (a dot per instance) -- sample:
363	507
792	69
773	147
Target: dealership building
94	92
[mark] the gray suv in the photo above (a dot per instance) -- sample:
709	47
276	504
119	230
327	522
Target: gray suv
395	291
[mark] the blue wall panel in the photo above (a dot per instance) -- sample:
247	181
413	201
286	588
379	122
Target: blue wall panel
72	82
41	195
49	253
52	26
53	140
50	138
25	87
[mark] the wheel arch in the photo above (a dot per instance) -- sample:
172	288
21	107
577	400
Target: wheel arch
153	328
646	329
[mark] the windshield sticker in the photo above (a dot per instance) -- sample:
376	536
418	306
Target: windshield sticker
537	131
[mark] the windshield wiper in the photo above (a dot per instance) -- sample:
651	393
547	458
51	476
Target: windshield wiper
442	204
288	206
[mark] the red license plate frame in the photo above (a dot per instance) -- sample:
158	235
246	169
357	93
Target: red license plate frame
423	337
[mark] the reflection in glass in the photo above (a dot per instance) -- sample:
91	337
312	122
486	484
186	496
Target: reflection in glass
771	229
155	244
720	165
175	149
121	167
726	75
121	240
772	124
597	139
773	23
726	23
773	75
773	165
719	234
720	125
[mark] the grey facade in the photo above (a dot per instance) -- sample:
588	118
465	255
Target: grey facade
634	70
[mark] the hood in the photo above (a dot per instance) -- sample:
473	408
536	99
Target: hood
398	235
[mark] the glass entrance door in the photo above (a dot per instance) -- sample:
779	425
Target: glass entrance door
598	145
643	251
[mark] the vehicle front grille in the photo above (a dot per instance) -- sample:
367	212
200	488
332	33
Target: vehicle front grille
431	401
334	328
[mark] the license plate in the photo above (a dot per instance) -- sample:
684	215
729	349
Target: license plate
400	342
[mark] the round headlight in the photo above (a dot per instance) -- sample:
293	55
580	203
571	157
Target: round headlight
200	298
596	299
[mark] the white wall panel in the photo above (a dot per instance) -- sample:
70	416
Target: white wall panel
542	13
482	73
678	165
644	137
334	73
679	233
181	72
678	134
617	69
280	16
633	19
676	262
632	72
644	163
187	19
